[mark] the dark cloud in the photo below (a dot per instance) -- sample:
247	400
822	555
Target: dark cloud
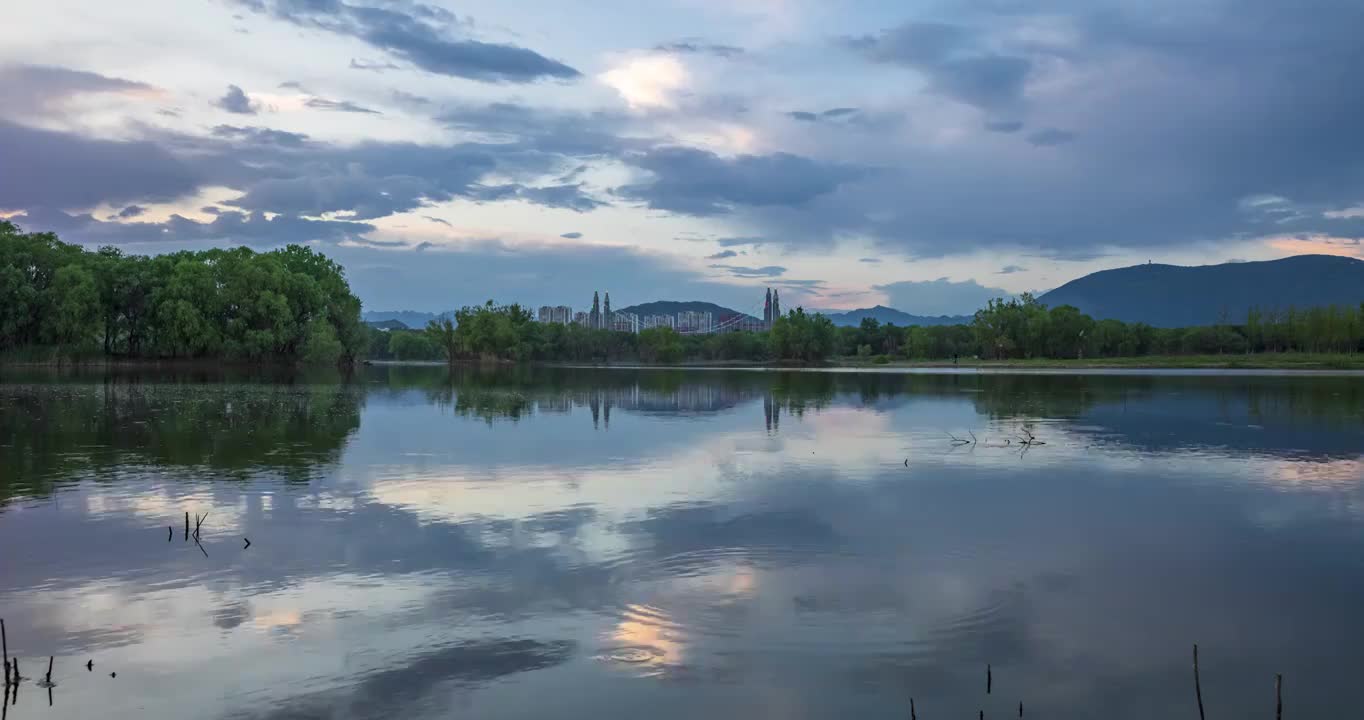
372	65
1011	269
939	297
67	171
693	48
438	221
698	182
766	271
1047	137
873	261
830	114
571	235
37	89
423	246
131	211
539	130
318	103
566	197
736	241
953	59
722	255
237	101
1004	126
423	35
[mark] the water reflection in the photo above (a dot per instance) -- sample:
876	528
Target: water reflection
512	542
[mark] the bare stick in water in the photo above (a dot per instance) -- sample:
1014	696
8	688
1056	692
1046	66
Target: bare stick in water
186	524
1020	709
248	543
1198	687
1278	697
49	670
4	642
170	533
912	716
989	679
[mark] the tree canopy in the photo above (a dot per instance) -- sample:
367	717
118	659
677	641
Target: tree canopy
291	304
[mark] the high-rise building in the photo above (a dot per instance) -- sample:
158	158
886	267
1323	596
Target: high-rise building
594	318
767	308
606	313
776	306
556	314
580	318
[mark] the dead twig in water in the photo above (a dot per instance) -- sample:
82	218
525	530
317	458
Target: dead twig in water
248	543
912	716
186	525
4	643
956	440
1198	686
1278	697
989	678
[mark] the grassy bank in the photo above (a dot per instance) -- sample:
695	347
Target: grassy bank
1256	361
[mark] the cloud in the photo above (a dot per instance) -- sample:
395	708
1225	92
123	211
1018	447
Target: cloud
68	171
237	101
131	211
766	271
952	58
571	235
1004	126
737	241
698	182
830	114
549	274
228	227
260	136
939	297
318	103
650	81
406	98
1048	137
372	65
873	261
691	47
423	35
722	255
1011	269
42	89
438	221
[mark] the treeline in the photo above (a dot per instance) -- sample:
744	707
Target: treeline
507	332
60	300
1024	328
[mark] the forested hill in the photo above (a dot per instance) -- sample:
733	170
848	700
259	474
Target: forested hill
61	300
672	307
884	315
1177	296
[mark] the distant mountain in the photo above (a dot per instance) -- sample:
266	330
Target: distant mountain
389	325
884	315
673	307
410	318
1175	296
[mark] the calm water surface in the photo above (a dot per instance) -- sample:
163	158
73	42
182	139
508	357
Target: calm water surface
671	544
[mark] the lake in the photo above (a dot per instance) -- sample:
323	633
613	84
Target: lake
577	543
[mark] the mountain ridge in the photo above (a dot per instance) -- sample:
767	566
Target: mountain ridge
1181	295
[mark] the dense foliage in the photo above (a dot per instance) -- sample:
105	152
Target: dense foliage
507	332
286	305
1024	328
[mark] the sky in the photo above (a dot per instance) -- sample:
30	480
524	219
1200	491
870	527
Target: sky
923	155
